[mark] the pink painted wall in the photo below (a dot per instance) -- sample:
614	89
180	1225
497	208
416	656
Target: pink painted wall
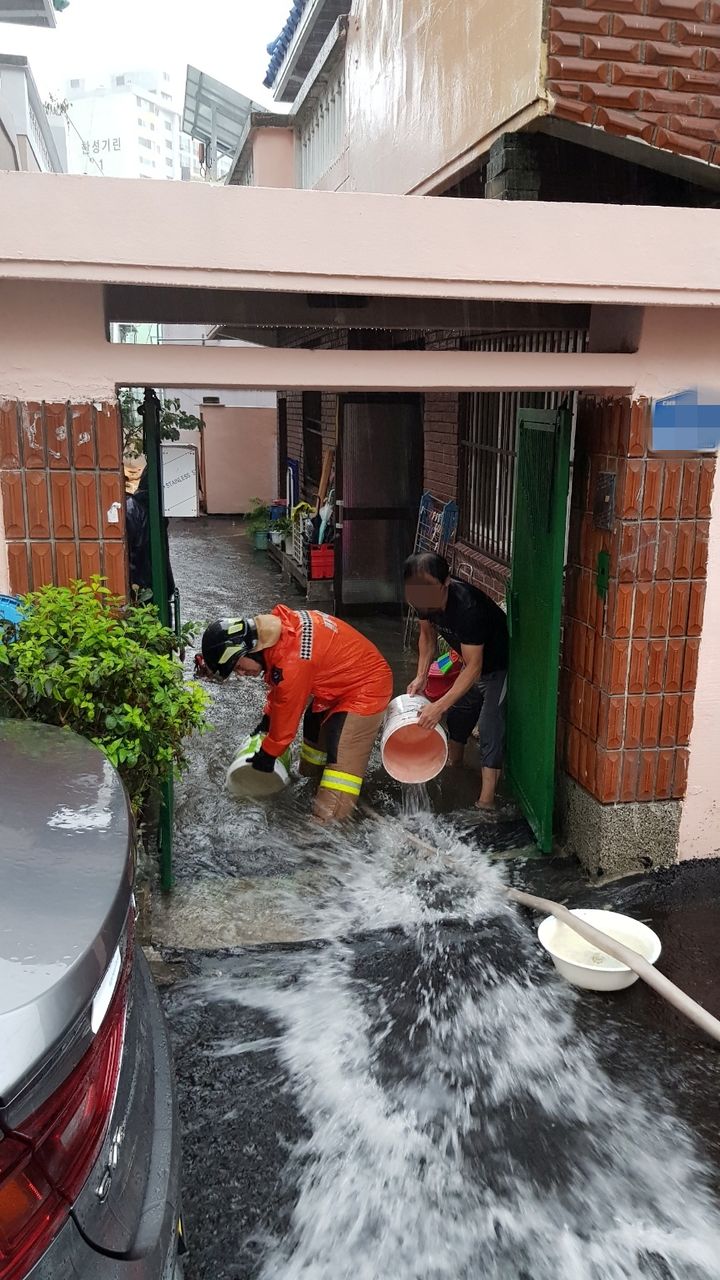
428	83
274	158
700	821
240	458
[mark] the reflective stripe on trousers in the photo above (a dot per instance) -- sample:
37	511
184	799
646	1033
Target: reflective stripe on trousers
335	780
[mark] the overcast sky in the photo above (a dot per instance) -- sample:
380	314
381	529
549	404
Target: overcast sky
226	38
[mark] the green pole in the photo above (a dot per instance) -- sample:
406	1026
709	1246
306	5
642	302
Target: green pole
158	574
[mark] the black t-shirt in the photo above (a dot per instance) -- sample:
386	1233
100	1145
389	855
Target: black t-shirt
471	617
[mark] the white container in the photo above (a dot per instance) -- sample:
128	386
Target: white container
245	783
409	753
585	965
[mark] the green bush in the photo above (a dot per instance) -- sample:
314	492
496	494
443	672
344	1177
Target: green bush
83	660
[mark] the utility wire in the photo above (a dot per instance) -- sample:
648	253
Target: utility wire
57	108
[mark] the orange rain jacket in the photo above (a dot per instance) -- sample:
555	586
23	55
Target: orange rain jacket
322	658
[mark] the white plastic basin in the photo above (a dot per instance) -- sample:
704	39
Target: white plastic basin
585	965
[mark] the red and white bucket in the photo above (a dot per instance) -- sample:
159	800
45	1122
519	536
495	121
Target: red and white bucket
409	753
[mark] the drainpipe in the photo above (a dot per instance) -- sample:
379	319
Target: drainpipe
213	144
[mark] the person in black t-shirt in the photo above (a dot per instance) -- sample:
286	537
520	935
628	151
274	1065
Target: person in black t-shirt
476	628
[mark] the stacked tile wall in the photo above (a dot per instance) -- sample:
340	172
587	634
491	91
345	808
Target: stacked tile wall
63	496
629	661
643	69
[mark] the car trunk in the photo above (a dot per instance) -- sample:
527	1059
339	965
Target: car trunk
73	1004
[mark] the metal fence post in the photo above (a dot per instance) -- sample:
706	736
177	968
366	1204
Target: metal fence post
158	573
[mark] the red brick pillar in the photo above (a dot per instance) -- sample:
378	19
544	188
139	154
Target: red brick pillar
629	661
63	494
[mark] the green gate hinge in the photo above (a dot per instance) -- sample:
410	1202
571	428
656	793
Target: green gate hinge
602	579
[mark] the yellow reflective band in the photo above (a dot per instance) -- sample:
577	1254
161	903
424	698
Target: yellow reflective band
311	755
230	652
333	780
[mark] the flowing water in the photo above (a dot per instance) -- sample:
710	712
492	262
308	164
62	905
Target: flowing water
396	1085
459	1124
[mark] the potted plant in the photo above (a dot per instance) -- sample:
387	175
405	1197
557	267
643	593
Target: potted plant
280	531
258	523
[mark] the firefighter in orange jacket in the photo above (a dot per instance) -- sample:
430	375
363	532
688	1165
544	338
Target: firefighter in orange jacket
318	665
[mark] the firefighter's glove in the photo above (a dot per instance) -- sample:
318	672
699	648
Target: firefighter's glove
263	762
262	728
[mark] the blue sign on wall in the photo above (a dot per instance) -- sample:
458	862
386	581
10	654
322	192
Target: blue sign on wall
688	422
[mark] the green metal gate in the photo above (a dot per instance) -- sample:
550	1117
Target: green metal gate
534	611
153	456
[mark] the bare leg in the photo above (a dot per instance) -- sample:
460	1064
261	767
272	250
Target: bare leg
456	753
490	778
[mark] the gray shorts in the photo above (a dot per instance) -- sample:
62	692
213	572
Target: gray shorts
485	700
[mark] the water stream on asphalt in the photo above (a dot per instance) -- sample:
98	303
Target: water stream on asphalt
460	1125
458	1122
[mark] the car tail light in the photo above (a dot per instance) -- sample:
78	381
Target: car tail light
45	1163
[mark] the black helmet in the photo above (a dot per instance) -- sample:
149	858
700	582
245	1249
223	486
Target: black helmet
226	641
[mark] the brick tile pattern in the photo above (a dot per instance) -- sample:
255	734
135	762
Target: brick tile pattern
61	478
644	69
629	664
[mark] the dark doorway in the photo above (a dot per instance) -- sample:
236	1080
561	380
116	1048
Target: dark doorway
379	485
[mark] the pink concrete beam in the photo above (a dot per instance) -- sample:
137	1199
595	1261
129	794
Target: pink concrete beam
206	237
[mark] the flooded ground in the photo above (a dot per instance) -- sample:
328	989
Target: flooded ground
380	1073
233	864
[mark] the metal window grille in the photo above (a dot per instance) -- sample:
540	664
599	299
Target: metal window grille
322	135
488	442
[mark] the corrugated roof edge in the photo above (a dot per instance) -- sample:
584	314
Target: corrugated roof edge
278	48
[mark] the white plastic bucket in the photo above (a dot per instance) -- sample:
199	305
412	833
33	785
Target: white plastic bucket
409	753
245	783
586	965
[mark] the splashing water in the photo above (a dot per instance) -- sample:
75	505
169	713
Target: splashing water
460	1124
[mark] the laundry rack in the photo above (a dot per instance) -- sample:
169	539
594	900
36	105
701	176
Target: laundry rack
436	529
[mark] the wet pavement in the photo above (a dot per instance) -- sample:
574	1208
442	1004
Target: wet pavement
379	1071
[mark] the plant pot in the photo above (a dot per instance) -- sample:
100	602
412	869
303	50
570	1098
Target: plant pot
276	539
260	539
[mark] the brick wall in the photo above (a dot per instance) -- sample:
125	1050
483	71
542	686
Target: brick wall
644	69
473	566
629	663
294	426
441	445
61	476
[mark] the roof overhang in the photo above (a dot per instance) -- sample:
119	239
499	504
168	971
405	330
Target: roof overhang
299	44
213	112
28	13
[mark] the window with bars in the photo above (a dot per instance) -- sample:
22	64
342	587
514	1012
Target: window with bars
312	439
488	442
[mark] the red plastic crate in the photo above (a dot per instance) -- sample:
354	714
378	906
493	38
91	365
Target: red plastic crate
322	562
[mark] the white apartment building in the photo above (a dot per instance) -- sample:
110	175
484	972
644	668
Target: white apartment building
28	139
128	126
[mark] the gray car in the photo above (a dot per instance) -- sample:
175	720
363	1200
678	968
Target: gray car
89	1133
